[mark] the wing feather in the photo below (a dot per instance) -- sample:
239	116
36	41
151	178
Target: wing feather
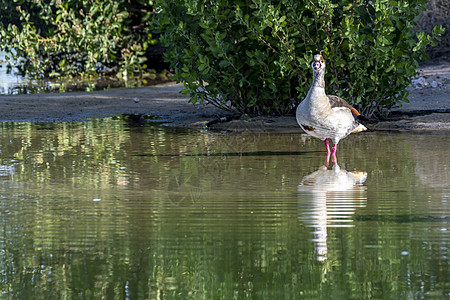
336	101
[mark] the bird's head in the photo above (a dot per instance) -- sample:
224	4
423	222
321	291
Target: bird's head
318	63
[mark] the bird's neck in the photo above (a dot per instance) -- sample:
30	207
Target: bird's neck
319	78
317	98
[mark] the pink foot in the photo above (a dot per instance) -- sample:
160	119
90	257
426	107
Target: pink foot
327	145
333	154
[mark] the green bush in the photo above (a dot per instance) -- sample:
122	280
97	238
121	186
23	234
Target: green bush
254	56
72	38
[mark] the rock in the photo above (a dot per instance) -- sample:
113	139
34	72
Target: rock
421	83
418	83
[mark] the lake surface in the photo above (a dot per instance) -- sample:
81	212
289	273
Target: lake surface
12	83
121	208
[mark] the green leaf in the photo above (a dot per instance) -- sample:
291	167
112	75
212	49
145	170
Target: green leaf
224	63
203	25
392	66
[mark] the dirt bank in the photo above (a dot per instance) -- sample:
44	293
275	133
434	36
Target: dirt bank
163	101
429	107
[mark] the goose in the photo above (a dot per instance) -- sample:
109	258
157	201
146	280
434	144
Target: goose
326	116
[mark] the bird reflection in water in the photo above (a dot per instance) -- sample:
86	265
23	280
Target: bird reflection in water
329	198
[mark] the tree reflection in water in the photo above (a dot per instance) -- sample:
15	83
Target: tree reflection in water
201	215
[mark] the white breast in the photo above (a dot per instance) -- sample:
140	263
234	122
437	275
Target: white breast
314	113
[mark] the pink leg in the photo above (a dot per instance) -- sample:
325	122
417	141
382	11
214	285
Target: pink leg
327	145
333	154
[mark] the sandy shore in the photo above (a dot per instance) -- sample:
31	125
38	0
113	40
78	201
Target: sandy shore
428	109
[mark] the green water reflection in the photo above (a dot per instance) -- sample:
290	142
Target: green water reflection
119	209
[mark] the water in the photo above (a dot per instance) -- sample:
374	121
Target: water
12	83
119	209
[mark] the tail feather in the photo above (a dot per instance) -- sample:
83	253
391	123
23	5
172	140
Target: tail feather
364	122
359	128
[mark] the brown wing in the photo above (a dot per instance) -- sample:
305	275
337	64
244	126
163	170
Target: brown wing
336	101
